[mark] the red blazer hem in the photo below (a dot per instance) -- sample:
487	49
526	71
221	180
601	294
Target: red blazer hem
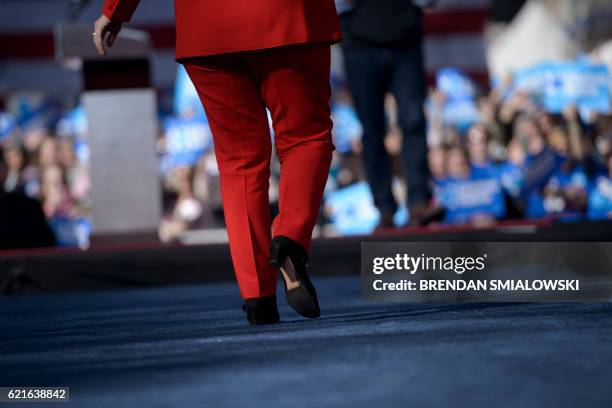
181	56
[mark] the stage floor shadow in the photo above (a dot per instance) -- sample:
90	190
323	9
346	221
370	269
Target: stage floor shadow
190	346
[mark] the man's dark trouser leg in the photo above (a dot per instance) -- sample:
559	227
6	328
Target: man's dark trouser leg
367	73
408	86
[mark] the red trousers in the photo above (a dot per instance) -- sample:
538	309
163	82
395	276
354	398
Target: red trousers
235	89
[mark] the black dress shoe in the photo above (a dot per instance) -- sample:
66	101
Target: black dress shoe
261	310
292	260
386	221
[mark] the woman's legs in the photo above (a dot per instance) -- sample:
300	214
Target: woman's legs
239	124
294	83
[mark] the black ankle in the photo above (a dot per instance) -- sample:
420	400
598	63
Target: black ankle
282	247
261	310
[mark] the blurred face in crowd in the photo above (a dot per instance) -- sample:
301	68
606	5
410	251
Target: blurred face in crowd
530	134
458	164
52	188
52	179
436	158
13	157
603	145
545	121
477	144
523	101
516	153
452	137
53	191
487	109
557	139
67	156
33	137
47	155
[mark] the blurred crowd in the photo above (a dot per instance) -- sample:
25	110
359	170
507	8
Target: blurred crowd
544	164
513	160
40	164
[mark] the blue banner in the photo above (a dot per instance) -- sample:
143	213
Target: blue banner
455	84
352	209
559	84
353	212
71	232
186	140
600	199
464	199
347	127
73	123
8	124
460	107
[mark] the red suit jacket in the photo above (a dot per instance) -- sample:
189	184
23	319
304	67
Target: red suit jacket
208	27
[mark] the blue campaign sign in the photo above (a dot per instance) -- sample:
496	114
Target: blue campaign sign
352	209
600	199
463	199
71	232
580	83
73	123
347	126
455	84
559	84
534	78
511	178
186	140
460	105
8	124
461	113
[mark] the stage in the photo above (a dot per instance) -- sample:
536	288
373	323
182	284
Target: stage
111	266
190	346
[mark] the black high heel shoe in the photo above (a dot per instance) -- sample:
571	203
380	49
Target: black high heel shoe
261	310
292	260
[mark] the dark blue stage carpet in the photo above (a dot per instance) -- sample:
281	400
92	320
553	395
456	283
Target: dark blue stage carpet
191	347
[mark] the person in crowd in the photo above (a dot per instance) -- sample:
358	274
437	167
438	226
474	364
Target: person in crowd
382	52
468	196
56	198
48	152
187	209
436	159
14	156
477	141
541	162
437	162
498	138
600	197
556	171
76	172
20	175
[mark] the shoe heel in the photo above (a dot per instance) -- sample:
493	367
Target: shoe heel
277	255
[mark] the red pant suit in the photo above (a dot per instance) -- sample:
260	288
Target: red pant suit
242	57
